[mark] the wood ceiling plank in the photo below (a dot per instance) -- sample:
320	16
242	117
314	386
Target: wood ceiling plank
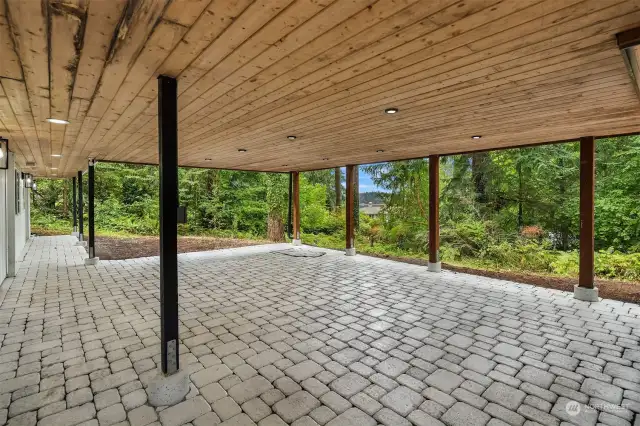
418	29
401	81
250	21
211	24
442	139
102	21
342	40
10	63
186	12
140	19
274	32
162	41
17	117
67	27
533	71
28	23
13	132
337	88
376	83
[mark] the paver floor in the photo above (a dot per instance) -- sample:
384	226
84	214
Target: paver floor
271	340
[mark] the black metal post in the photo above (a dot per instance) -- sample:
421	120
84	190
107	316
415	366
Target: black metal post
75	207
92	233
80	208
168	156
290	205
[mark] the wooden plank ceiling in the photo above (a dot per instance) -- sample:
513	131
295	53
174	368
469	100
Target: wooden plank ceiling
251	73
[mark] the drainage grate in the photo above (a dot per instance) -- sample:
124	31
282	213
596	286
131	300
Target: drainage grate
296	252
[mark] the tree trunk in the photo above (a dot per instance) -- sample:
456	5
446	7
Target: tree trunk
338	176
275	227
520	183
65	200
479	162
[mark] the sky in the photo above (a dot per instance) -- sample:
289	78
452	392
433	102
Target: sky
366	185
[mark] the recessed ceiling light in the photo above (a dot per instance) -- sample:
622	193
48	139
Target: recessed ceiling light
207	159
325	159
54	168
391	110
476	137
56	155
291	137
242	150
57	121
284	165
380	150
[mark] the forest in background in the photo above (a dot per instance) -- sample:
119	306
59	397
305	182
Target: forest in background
515	209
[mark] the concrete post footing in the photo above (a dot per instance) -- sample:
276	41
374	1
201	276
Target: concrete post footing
585	294
350	252
297	242
166	390
74	234
91	261
434	267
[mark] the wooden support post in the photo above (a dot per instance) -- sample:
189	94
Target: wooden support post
75	209
434	212
168	156
295	177
349	211
289	211
80	209
585	289
91	246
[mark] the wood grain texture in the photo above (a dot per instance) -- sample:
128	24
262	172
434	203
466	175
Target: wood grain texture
250	73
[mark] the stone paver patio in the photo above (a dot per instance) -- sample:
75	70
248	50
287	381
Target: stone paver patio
341	341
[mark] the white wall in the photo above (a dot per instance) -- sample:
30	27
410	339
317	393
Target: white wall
14	226
22	219
4	246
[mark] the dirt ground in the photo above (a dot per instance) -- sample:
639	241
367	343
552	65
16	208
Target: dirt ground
110	248
609	289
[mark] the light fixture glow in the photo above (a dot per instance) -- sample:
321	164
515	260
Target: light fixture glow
28	180
242	150
380	150
57	121
476	137
391	110
56	155
4	153
33	186
292	137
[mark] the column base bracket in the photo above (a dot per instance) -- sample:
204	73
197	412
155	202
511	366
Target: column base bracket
434	267
585	294
167	390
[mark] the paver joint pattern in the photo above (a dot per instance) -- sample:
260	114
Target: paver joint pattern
340	341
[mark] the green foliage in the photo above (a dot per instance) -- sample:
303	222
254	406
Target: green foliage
513	209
